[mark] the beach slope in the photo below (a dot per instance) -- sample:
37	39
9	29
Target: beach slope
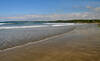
81	44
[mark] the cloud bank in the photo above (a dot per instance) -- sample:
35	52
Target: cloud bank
93	13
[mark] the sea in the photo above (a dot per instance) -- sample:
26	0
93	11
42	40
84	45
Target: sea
15	33
29	24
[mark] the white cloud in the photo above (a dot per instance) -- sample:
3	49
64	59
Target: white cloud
93	13
93	9
85	15
97	9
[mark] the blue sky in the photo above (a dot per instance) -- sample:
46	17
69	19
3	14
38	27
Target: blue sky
20	7
26	7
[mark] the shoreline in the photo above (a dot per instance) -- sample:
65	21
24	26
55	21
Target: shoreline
19	37
81	44
38	41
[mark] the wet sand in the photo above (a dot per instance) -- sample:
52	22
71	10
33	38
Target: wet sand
81	44
14	37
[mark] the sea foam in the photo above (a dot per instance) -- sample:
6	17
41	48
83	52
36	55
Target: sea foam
34	26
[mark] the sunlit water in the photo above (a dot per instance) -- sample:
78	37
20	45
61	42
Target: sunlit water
14	33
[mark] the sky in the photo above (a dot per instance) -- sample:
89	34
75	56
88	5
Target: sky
34	10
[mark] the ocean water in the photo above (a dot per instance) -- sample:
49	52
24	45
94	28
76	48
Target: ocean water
15	33
18	24
29	24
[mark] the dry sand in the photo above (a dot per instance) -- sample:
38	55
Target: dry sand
81	44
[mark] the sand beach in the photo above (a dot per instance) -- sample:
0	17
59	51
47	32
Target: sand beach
80	44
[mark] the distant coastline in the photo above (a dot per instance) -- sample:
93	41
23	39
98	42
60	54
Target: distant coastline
80	21
60	21
77	21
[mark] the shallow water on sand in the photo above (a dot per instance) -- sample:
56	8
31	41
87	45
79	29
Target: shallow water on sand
14	33
12	36
81	44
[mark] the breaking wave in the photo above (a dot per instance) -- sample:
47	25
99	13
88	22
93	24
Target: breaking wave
34	26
